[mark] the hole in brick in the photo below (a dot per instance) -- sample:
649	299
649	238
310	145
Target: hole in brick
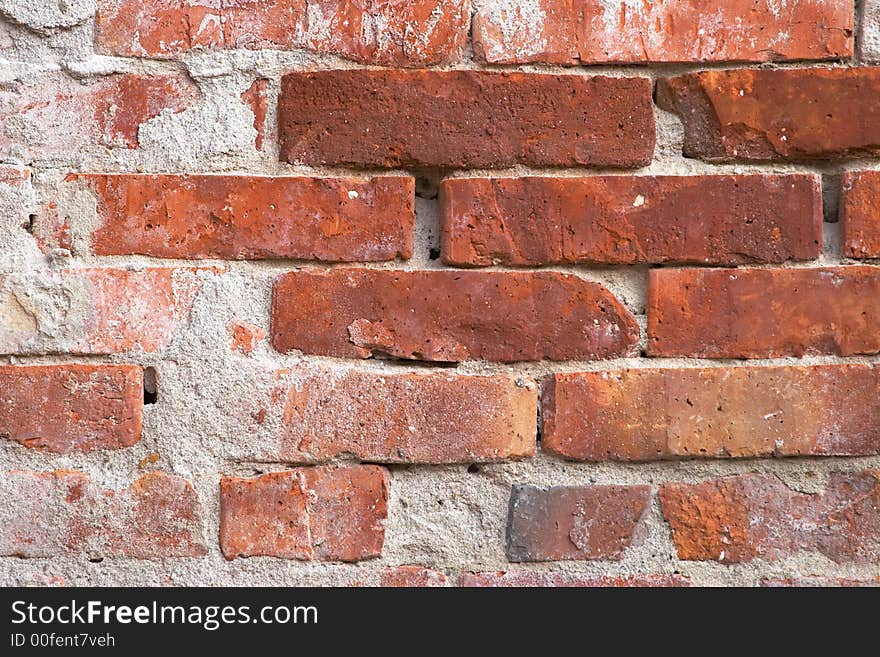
151	389
433	254
29	225
473	468
96	559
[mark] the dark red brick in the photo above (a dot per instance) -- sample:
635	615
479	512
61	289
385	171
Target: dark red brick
723	220
578	522
464	119
860	214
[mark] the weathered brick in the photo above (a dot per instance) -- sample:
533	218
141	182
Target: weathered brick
763	313
401	418
253	217
61	116
649	414
534	579
255	98
598	31
461	119
321	513
62	408
411	576
756	516
724	220
577	522
449	315
414	33
860	214
819	582
776	114
58	513
94	310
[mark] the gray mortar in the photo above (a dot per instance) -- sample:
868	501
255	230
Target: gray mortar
443	517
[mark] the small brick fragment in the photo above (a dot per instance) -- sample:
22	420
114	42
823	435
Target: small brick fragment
411	576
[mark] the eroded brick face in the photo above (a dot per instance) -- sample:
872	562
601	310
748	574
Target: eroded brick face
449	316
62	408
49	514
95	310
253	217
593	31
756	516
321	513
723	220
403	418
774	114
68	115
721	412
451	119
420	33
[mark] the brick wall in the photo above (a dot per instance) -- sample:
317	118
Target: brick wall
440	292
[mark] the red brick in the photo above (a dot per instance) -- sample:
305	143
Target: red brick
449	315
819	582
776	114
650	414
532	579
860	214
245	337
414	33
756	516
69	115
62	408
577	522
95	310
402	418
724	220
763	313
322	513
597	31
59	513
462	119
253	217
255	98
411	576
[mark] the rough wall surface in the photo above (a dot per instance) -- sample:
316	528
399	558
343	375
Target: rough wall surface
268	316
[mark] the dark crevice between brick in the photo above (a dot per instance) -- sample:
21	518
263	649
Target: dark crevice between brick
830	196
29	224
151	388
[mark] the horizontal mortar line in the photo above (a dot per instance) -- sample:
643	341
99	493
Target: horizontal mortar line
679	167
470	368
